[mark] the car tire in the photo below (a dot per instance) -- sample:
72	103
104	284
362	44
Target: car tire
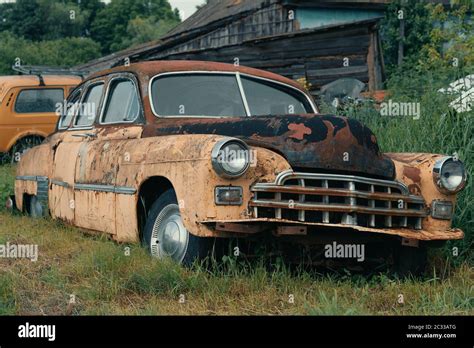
165	235
410	261
36	209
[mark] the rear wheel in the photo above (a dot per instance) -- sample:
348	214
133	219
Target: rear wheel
166	236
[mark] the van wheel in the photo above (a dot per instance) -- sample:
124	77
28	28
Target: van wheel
23	145
36	208
410	261
165	235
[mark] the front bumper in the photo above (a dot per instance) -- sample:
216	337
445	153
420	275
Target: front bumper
253	226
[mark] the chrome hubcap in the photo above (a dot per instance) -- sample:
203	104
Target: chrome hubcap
169	237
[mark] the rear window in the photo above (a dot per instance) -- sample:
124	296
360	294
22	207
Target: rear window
38	100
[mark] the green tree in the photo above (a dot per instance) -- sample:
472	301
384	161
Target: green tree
141	30
111	25
417	26
44	19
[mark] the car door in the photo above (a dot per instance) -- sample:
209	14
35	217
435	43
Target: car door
96	170
78	130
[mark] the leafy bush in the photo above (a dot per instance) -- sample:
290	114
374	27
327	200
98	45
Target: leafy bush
63	52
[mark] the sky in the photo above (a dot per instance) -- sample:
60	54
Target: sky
186	7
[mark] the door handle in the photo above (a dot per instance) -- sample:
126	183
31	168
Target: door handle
85	135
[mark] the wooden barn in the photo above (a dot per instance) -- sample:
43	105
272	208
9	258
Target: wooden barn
316	40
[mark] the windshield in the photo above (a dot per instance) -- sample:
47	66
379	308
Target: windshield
220	95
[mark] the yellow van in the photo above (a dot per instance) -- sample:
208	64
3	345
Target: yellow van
28	109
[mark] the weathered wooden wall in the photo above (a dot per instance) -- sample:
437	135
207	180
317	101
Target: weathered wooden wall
267	37
316	55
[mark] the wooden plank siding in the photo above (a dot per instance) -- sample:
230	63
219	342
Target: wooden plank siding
266	38
315	55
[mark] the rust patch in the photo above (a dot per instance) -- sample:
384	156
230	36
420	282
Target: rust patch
299	131
414	189
412	173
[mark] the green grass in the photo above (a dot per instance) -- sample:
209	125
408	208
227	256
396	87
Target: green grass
106	281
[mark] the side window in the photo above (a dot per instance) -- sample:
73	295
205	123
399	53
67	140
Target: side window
38	100
90	106
123	103
267	98
71	109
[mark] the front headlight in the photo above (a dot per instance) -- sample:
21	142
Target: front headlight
230	158
449	175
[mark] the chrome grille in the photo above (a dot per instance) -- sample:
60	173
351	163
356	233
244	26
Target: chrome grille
338	199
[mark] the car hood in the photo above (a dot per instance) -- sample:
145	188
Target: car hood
308	142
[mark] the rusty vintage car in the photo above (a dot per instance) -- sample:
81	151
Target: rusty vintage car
177	154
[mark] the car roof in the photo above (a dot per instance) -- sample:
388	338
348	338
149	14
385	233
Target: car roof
153	68
8	82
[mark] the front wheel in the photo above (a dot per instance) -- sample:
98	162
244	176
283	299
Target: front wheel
166	236
410	261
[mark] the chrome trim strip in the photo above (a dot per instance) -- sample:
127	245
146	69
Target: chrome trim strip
60	183
105	188
31	178
313	106
289	174
338	208
336	193
243	95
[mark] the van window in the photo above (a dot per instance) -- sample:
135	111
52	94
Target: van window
38	100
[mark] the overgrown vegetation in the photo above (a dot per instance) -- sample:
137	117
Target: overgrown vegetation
444	54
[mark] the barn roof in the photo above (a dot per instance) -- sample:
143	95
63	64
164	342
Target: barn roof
218	10
216	14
